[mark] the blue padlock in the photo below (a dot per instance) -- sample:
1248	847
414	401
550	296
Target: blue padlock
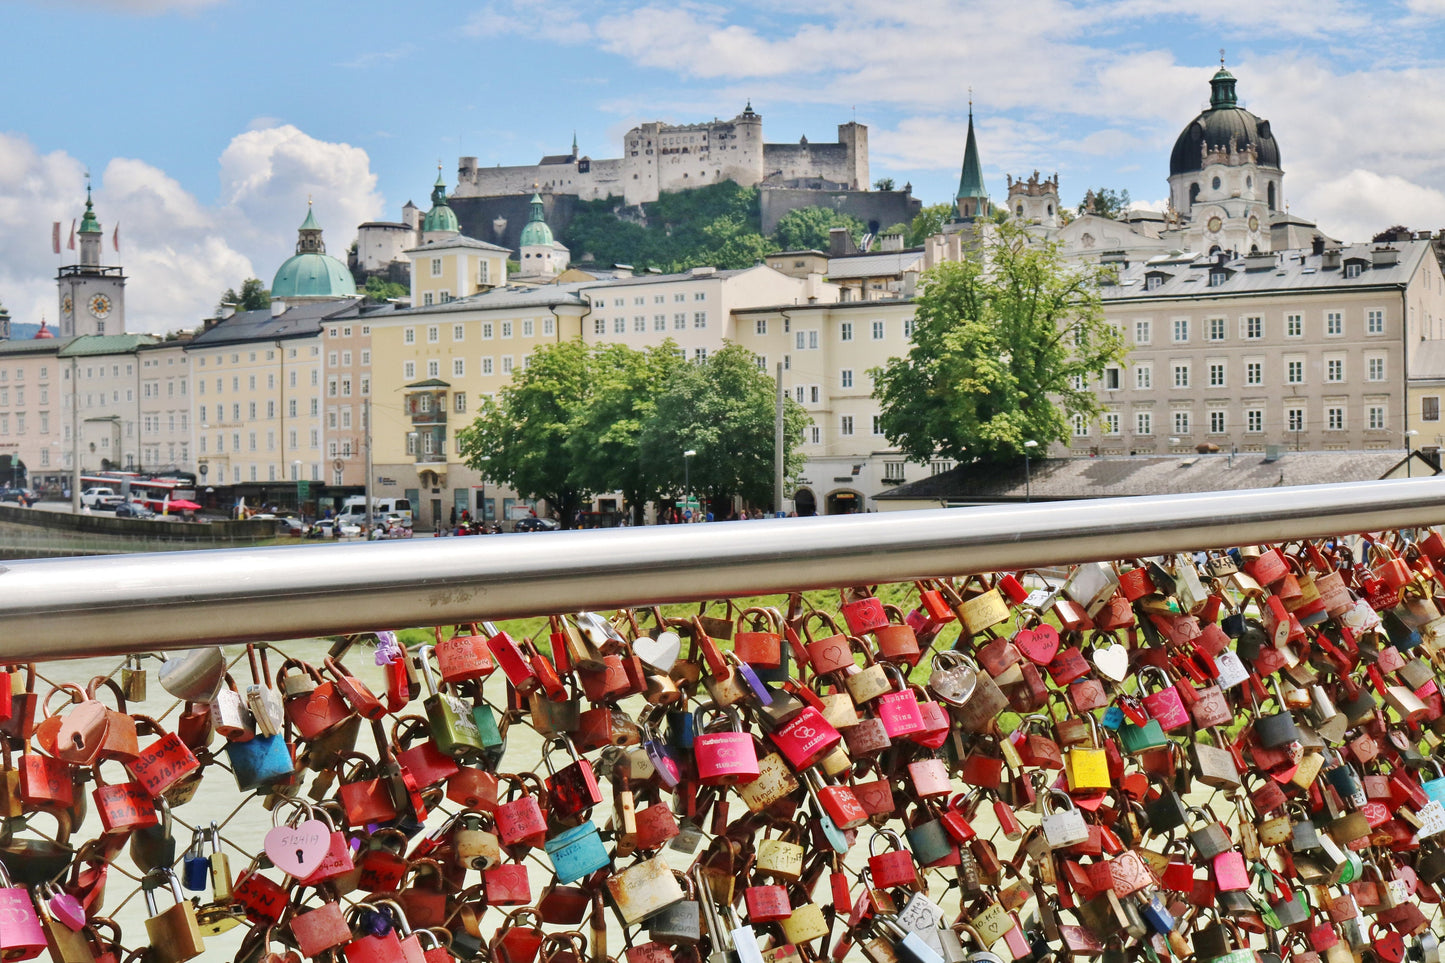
1113	718
576	853
196	865
680	729
259	761
1160	920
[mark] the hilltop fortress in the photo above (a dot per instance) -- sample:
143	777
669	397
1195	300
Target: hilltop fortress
661	158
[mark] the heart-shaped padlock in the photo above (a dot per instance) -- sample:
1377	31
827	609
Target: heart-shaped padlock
1039	644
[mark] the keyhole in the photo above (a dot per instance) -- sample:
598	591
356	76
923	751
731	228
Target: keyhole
300	856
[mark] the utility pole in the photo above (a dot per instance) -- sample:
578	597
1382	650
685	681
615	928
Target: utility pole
778	442
366	422
74	438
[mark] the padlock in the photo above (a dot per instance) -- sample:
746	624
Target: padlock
1063	823
723	758
174	934
1163	704
453	728
22	937
893	867
268	713
577	852
644	888
679	923
1087	767
519	818
572	790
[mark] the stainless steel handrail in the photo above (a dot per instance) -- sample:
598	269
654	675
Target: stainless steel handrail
67	608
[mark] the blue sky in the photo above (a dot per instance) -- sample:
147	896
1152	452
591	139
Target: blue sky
208	123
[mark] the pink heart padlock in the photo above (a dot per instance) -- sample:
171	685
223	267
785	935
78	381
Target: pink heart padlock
68	910
298	850
1039	644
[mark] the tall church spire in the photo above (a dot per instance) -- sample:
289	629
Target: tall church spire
972	195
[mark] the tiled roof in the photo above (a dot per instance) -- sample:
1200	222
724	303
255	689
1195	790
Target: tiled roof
299	320
105	344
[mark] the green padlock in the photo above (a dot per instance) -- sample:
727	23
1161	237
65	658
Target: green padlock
453	727
1137	739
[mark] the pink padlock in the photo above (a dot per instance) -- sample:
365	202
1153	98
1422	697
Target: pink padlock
723	758
1229	871
1163	705
21	938
65	908
899	710
929	777
805	738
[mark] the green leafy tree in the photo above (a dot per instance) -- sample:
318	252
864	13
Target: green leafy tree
520	438
605	443
883	184
998	344
807	228
722	408
379	289
929	222
253	296
1105	202
900	229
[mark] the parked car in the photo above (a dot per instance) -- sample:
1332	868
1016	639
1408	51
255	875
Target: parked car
333	528
100	498
133	510
536	524
8	494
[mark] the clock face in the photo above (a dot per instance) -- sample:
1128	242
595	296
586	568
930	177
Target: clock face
1253	222
1215	224
66	305
100	306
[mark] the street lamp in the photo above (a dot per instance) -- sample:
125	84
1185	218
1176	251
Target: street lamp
1028	475
687	477
1411	433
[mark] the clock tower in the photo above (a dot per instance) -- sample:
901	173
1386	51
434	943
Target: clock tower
92	296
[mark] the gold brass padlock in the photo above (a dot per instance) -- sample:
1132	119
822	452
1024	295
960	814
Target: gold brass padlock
133	679
175	934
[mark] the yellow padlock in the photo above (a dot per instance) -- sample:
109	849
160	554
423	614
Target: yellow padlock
1087	767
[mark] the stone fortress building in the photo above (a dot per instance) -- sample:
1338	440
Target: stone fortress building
660	157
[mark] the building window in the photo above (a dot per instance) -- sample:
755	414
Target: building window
1181	422
1142	332
845	378
408	370
1181	330
845	331
506	329
1375	322
1081	427
434	368
459	401
1111	422
506	364
1151	282
877	330
845	425
1217	278
1352	270
436	267
1376	415
486	330
428	298
528	328
1254	420
816	434
893	471
408	336
1216	329
619	325
1253	328
1294	372
1295	419
1335	370
659	322
1143	423
1216	374
877	424
1216	421
814	394
599	325
1294	326
1143	376
699	319
1335	418
639	324
1181	376
908	328
549	326
1334	324
459	368
459	332
1254	372
760	326
1430	408
486	366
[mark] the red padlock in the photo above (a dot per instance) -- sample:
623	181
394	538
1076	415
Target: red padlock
894	867
463	658
572	790
805	738
724	758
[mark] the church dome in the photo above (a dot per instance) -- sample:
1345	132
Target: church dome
536	232
440	217
311	272
1225	123
44	332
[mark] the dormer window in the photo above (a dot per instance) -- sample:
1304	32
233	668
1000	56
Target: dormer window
1352	269
1153	281
1216	278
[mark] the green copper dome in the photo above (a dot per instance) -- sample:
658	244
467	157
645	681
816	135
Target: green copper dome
536	231
440	217
88	223
311	272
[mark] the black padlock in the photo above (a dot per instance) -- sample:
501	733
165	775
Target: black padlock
1277	729
1166	813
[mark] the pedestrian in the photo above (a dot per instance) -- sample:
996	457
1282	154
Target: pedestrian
453	522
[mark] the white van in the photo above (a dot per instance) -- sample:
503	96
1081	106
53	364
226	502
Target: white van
354	509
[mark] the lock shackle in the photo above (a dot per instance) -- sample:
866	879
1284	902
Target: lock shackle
1054	795
895	676
398	915
566	743
302	807
887	834
1144	674
735	722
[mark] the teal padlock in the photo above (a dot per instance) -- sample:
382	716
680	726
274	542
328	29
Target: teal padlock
576	853
1435	788
1137	739
259	761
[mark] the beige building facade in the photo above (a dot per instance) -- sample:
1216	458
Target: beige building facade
165	407
1306	350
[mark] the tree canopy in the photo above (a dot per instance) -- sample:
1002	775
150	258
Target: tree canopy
1002	349
929	222
807	228
253	296
583	419
380	289
1105	202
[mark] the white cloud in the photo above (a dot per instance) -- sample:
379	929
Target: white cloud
179	252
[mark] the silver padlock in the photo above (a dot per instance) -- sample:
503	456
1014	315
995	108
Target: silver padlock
1063	827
